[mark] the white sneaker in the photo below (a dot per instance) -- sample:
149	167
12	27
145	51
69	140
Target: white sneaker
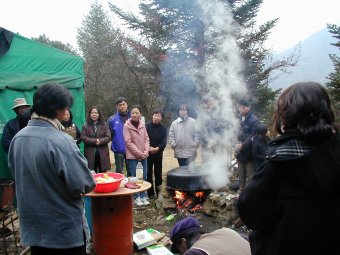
145	201
137	201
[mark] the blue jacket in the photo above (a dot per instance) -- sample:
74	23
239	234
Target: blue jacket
116	127
10	130
50	175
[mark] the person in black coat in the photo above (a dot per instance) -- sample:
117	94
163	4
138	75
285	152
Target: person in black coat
292	203
13	126
244	156
70	128
260	145
158	138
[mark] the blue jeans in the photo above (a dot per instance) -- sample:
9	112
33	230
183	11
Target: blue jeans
119	161
132	164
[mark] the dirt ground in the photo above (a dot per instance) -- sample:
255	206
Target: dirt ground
152	216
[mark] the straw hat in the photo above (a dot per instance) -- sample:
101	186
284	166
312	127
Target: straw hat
19	102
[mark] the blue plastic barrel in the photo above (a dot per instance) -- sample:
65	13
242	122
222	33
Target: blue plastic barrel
88	213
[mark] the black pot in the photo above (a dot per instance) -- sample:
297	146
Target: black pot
186	179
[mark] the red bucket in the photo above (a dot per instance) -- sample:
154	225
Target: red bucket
109	186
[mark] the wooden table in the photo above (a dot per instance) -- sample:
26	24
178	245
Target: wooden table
112	221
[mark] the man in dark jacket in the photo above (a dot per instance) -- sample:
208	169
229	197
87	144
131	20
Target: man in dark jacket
244	148
13	126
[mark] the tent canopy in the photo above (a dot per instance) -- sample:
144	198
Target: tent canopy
25	65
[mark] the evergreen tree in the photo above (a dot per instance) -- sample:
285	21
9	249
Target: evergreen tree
176	39
334	78
100	46
56	44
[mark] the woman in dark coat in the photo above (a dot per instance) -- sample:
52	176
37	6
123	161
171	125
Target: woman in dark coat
70	128
96	135
260	145
292	203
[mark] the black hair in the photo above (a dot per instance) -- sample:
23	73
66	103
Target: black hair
306	108
137	107
156	111
49	98
88	115
24	117
260	130
120	100
69	122
190	236
244	102
184	106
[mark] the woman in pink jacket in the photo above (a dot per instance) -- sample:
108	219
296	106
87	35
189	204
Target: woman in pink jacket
137	149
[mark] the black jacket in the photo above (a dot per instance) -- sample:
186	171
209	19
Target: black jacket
11	128
293	200
157	135
247	132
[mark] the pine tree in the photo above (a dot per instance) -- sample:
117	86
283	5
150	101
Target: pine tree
176	39
100	46
56	44
334	78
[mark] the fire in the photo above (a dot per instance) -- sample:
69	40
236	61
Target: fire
199	194
186	201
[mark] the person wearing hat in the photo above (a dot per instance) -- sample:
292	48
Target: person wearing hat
187	239
12	127
244	147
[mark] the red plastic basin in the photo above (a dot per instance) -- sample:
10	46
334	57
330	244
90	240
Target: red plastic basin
108	186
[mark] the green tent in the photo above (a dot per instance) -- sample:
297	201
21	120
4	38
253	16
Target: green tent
25	65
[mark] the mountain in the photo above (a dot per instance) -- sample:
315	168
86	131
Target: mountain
314	63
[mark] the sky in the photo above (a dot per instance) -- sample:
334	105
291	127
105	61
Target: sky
60	19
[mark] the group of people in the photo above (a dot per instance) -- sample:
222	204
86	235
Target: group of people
132	140
290	203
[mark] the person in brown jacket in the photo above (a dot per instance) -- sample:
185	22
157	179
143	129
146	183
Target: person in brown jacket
96	135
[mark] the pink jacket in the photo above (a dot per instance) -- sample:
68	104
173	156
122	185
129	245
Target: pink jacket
136	140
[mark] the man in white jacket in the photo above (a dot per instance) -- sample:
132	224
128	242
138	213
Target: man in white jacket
183	137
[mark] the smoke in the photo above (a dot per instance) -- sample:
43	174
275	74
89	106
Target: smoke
223	83
213	71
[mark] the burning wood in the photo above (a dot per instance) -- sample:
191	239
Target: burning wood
191	201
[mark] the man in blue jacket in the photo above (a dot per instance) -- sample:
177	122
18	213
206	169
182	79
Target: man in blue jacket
116	123
244	148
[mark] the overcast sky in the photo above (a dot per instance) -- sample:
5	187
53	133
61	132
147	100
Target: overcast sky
59	19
